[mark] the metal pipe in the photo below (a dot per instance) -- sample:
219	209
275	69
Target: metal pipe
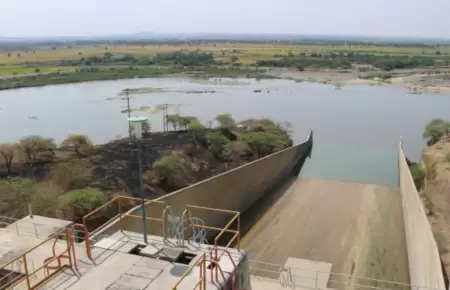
141	188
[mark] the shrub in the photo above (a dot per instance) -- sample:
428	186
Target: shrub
168	165
70	175
264	143
171	172
435	130
83	201
16	193
418	175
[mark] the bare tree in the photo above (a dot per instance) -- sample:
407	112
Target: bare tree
7	151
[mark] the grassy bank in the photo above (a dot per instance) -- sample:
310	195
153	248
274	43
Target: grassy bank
112	73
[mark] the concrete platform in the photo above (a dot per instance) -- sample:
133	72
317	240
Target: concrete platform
358	228
114	267
39	226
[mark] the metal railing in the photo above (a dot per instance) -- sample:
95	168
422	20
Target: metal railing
118	201
236	217
202	280
214	255
308	278
27	274
202	262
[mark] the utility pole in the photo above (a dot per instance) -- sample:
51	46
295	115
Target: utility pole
127	97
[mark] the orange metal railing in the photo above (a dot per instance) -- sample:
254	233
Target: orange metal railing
68	254
119	202
87	241
214	255
202	262
236	217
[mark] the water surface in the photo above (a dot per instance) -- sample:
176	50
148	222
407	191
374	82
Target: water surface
348	124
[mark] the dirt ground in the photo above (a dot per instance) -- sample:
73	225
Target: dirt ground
415	81
358	228
436	160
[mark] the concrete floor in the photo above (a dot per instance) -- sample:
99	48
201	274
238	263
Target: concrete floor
358	228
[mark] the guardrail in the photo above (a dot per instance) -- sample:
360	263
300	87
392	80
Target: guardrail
289	277
201	261
236	217
214	252
28	276
118	201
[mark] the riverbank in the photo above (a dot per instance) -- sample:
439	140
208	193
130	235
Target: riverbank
414	81
418	81
436	165
104	74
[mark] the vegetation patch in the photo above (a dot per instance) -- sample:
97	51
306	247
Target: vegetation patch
70	179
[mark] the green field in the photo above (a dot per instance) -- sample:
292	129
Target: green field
246	53
57	65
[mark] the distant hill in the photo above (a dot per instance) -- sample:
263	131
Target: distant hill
160	37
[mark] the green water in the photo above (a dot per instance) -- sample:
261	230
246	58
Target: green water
352	163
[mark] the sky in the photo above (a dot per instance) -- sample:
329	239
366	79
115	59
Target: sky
410	18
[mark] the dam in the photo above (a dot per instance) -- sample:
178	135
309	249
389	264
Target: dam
307	217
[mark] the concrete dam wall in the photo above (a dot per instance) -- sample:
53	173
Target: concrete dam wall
423	256
236	189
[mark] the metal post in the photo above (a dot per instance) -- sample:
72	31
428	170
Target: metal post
141	188
129	112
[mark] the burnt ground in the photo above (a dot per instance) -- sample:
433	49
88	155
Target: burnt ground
113	168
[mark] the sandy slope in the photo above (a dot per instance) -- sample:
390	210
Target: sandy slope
356	227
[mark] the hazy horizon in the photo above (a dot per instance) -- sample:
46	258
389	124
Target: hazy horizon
381	18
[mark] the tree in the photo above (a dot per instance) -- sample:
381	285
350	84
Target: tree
225	121
184	121
435	130
234	59
195	128
174	120
286	127
107	56
83	201
37	70
7	151
77	141
146	127
32	145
